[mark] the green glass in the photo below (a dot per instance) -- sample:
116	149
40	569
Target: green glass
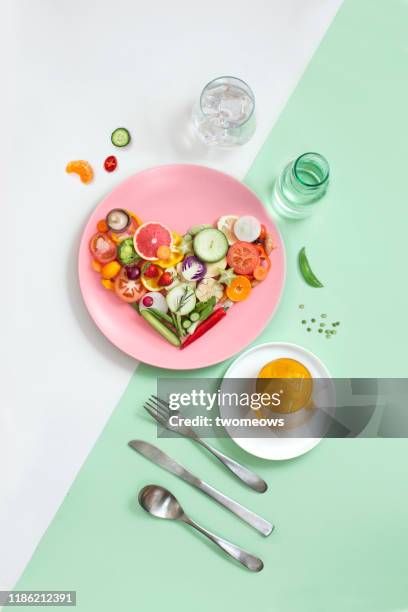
300	186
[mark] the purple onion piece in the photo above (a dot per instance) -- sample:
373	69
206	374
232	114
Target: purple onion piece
193	269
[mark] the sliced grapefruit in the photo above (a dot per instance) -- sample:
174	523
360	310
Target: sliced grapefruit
149	237
226	225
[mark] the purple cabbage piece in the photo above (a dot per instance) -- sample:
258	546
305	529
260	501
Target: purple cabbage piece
193	269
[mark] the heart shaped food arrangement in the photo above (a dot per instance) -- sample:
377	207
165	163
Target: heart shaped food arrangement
181	285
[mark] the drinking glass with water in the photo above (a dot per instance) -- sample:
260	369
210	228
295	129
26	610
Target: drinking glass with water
225	113
300	186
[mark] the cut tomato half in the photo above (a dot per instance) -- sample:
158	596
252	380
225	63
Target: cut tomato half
128	290
102	248
243	257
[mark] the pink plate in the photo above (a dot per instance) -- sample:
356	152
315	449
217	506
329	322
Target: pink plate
181	196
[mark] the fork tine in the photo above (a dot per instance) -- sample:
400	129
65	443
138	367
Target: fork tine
165	412
150	410
156	417
162	402
158	410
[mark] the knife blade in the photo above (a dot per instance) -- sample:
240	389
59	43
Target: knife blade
157	456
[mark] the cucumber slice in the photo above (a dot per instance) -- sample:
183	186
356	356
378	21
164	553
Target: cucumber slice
194	317
181	300
120	137
186	324
210	245
193	327
195	229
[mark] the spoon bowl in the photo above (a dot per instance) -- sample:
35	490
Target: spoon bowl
160	502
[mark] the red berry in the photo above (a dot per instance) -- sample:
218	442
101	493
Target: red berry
110	163
151	271
165	279
147	301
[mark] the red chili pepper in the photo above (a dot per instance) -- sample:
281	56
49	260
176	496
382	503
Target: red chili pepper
201	329
264	257
110	163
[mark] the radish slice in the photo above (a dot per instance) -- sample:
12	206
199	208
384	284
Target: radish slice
154	299
247	228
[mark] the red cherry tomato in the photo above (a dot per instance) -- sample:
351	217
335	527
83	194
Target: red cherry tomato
128	290
110	163
102	248
243	257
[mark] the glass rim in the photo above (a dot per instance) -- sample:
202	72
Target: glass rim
326	176
228	76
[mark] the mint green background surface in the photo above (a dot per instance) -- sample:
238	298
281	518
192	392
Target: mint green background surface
341	511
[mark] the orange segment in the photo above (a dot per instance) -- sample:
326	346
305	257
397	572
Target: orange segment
151	284
82	168
239	289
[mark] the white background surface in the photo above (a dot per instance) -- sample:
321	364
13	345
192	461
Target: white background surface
74	71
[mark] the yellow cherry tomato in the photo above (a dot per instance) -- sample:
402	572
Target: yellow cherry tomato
175	258
110	270
107	284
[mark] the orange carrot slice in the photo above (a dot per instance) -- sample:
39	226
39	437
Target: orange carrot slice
260	273
102	226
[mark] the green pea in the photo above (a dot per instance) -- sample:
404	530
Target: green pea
322	324
304	322
323	316
301	306
313	320
309	329
320	331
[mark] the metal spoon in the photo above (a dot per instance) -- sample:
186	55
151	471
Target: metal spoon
161	503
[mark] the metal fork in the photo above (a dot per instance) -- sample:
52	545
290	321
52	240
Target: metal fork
160	411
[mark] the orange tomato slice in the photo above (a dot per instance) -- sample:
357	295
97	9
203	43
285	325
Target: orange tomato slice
239	289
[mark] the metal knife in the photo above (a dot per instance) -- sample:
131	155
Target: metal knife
160	458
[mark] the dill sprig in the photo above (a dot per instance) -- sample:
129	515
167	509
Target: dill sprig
184	298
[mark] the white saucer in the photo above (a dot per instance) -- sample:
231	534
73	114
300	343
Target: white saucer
248	366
